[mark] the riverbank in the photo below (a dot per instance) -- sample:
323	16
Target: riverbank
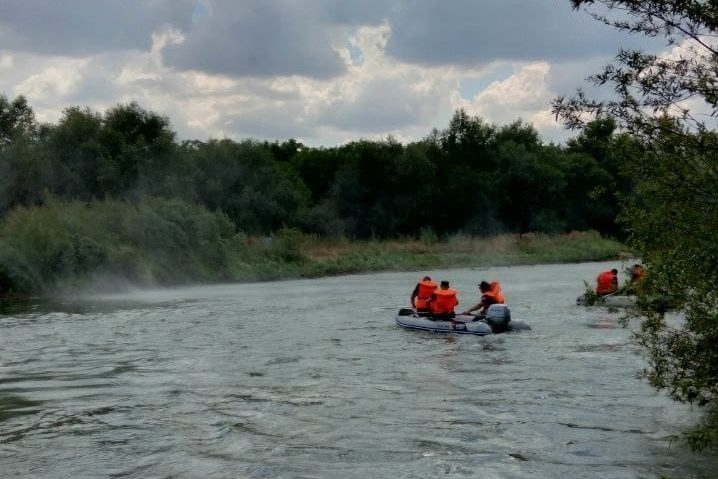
111	245
290	255
326	257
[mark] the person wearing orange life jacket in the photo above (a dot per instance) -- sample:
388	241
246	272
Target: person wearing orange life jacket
490	294
636	275
422	294
443	301
607	282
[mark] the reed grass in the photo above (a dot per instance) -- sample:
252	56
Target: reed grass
344	256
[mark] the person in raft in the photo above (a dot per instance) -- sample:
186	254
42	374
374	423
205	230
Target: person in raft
443	301
607	282
490	294
422	294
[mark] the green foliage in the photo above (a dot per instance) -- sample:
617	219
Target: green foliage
671	213
703	437
17	120
286	245
259	193
589	297
471	177
155	240
114	194
428	236
124	153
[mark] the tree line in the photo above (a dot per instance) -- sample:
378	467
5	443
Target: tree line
471	177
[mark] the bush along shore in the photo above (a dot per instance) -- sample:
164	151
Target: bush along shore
70	245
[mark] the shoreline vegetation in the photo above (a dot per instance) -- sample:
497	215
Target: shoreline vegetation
69	246
114	198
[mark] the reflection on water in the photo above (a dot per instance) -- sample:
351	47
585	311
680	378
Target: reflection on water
312	379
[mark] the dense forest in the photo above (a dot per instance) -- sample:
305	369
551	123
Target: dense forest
471	177
116	193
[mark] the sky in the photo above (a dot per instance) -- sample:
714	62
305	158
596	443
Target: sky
324	72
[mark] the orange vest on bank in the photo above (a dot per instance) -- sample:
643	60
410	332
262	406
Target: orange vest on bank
605	283
444	301
638	274
426	289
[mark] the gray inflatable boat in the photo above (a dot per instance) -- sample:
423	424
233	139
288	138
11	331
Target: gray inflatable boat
497	320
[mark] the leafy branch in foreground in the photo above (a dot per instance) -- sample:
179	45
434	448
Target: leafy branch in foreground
669	102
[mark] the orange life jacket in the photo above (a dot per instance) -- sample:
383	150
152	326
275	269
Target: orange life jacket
495	293
444	301
638	274
605	283
426	289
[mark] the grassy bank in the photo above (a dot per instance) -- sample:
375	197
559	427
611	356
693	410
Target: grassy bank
72	245
325	257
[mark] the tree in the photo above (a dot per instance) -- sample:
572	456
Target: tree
669	103
23	165
127	152
609	151
80	170
466	169
17	120
140	146
245	181
527	181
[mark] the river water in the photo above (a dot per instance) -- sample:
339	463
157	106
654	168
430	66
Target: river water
312	379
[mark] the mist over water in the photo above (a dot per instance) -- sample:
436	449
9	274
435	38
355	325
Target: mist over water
312	379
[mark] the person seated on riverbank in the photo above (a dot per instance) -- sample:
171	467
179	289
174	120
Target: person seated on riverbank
607	282
490	294
422	294
443	301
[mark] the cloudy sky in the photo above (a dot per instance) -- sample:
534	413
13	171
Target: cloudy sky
322	71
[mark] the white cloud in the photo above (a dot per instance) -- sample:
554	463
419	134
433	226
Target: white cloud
6	62
526	88
371	92
523	93
526	94
57	79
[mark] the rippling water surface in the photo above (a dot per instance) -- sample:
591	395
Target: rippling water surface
312	379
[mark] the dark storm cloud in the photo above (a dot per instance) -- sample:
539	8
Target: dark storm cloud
266	38
353	12
469	32
81	27
291	37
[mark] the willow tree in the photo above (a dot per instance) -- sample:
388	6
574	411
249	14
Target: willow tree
669	102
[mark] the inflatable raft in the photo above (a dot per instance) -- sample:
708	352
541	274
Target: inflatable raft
497	320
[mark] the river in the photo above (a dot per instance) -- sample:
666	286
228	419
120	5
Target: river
312	379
